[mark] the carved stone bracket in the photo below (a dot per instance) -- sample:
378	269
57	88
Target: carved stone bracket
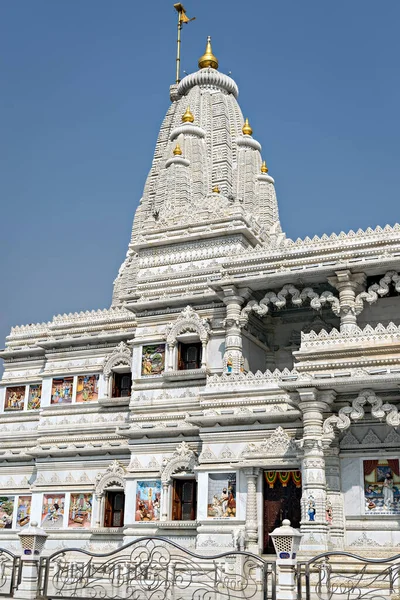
298	298
377	289
356	412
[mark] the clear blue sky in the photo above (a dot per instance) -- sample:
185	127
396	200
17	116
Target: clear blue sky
85	85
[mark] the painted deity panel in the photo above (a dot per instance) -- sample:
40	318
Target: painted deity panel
61	391
88	388
24	511
6	511
15	397
148	500
80	511
221	495
35	395
153	359
53	511
382	486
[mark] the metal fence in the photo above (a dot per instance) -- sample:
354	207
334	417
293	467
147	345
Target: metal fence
9	572
346	576
156	569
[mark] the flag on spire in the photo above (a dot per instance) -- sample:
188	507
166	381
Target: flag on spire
182	18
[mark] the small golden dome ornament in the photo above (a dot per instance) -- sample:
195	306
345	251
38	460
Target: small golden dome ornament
208	59
216	190
188	116
264	168
246	129
177	150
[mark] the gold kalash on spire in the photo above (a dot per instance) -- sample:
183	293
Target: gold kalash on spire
182	18
208	59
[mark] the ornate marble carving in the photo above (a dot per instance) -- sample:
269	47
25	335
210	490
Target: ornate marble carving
114	475
355	412
188	320
278	444
121	355
182	459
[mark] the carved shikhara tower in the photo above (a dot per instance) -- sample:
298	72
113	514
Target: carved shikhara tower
238	378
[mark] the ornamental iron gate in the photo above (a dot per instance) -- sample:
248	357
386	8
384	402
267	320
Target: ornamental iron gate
156	569
9	572
345	576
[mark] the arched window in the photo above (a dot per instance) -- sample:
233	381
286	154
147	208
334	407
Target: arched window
117	372
187	342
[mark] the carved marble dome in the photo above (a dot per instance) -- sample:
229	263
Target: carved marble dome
218	172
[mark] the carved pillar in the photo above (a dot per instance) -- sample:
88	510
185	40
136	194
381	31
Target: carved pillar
314	526
251	526
233	334
165	500
99	509
203	354
334	497
348	285
106	386
171	357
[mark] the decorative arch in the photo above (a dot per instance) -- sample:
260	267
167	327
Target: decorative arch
356	412
114	475
121	355
182	458
188	320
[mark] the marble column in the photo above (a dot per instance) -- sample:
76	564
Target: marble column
165	500
348	285
251	526
233	357
314	524
334	497
99	509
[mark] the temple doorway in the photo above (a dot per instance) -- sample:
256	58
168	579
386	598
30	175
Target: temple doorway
282	496
114	509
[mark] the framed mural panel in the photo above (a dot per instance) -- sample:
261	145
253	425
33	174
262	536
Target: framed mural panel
87	389
80	511
148	500
153	359
61	390
15	398
221	495
6	511
24	510
382	486
53	511
34	396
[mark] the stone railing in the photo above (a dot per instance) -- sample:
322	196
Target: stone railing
369	335
252	379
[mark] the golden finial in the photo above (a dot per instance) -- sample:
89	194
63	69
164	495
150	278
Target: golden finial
208	59
246	129
216	189
264	168
177	150
188	116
